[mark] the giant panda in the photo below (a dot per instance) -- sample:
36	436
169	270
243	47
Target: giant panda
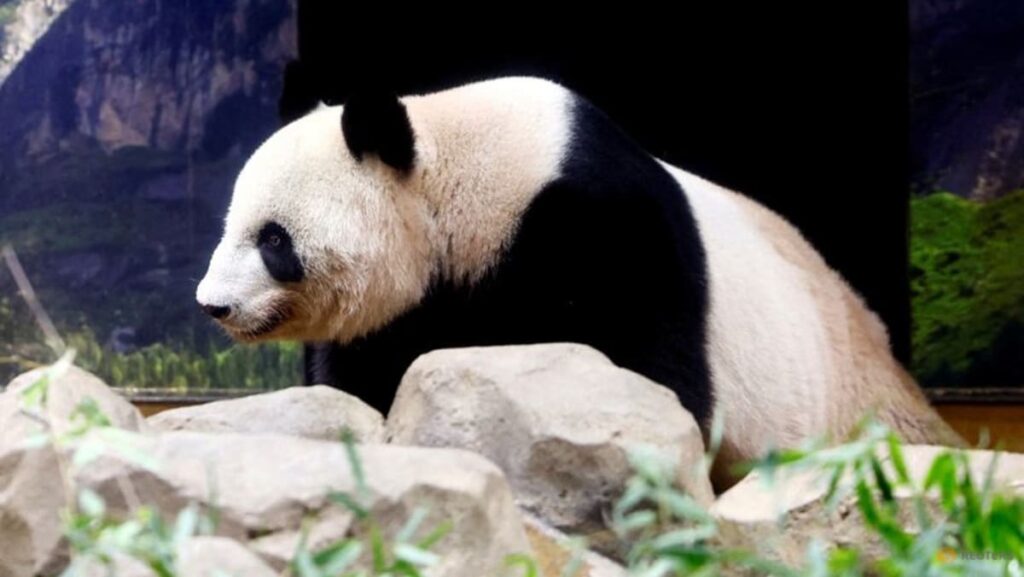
514	211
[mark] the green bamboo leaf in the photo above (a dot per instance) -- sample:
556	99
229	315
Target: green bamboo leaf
346	501
338	557
527	563
844	562
378	549
416	556
575	564
405	534
832	494
124	535
37	441
988	484
760	565
881	480
91	504
683	537
817	560
636	491
355	464
683	506
404	569
866	504
647	463
33	397
87	452
435	536
303	565
186	524
899	463
660	568
714	443
162	569
942	475
637	520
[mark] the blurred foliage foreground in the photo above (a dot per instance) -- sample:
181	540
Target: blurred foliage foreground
967	283
947	524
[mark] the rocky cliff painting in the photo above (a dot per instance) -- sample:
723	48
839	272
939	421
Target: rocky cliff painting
124	124
967	211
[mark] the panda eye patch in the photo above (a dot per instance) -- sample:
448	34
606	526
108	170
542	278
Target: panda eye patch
273	235
278	253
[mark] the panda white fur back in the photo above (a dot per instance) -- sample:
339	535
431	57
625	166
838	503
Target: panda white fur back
513	211
787	331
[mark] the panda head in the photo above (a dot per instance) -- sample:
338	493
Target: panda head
326	237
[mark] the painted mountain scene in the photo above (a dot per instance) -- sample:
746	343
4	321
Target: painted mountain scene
967	210
124	125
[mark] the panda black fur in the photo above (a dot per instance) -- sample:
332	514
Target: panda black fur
513	211
606	254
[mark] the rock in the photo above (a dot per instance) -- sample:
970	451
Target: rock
781	521
206	556
31	490
130	52
317	412
558	419
118	566
200	556
265	487
65	395
553	551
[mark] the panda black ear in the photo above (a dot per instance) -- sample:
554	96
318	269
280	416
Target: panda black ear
378	124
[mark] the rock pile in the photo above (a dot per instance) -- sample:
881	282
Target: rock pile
515	447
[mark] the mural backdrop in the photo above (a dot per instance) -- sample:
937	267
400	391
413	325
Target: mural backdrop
124	124
967	210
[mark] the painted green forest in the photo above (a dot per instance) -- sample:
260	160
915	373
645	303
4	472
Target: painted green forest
113	278
967	283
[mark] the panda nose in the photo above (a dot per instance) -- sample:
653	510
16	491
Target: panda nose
216	311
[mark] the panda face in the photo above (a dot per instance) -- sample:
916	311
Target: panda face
341	220
324	240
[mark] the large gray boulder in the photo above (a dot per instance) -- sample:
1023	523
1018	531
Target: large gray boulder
780	521
559	419
317	412
266	487
32	493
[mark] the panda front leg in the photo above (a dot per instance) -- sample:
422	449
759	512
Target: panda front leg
316	368
370	368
